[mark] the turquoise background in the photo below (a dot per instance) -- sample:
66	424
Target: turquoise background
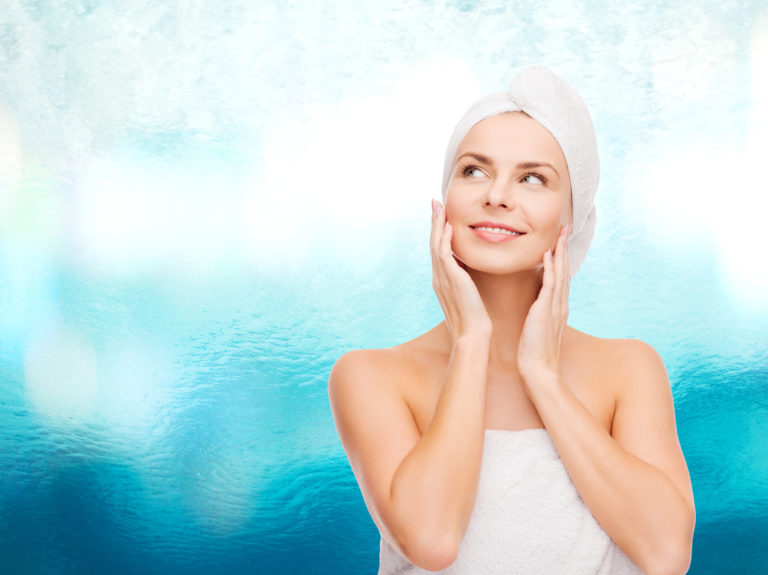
204	204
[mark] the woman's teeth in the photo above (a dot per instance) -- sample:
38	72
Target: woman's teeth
497	231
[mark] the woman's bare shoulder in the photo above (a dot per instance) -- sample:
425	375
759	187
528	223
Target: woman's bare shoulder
618	355
375	394
366	362
616	377
392	366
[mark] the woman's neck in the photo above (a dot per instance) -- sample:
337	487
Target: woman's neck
507	300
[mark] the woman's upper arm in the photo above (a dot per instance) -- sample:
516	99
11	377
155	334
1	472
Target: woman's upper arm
644	419
374	423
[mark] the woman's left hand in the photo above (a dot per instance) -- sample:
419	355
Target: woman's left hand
538	354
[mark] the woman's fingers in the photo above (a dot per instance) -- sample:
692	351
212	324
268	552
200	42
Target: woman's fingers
442	234
445	244
437	227
458	296
439	236
440	229
566	266
543	329
548	280
560	249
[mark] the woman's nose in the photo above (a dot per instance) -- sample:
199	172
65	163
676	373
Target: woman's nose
500	194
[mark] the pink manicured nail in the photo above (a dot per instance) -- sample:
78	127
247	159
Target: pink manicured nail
434	207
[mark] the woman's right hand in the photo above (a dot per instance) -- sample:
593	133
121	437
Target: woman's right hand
464	310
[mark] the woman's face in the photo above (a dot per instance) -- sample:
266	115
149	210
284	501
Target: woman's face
509	195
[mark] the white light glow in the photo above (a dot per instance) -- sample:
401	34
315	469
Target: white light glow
136	391
10	150
10	162
711	194
694	202
133	216
61	376
350	170
741	241
336	180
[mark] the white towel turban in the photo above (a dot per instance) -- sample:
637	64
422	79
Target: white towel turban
547	99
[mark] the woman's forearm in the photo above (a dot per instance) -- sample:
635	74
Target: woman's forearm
434	488
636	503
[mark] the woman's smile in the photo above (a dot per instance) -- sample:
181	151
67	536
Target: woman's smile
495	232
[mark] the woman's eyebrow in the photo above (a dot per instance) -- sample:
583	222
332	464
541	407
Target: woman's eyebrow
531	165
479	157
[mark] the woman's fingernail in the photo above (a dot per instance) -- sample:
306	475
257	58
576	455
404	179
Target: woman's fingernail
434	207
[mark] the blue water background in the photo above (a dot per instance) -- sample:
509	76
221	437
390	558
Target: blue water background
203	205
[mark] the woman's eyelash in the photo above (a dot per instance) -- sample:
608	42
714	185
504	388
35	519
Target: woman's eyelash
468	169
535	175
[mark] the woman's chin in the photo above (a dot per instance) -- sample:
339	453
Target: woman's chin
493	266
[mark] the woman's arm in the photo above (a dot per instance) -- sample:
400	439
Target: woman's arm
420	488
634	480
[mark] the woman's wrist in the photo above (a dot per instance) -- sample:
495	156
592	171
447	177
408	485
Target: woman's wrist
540	378
475	344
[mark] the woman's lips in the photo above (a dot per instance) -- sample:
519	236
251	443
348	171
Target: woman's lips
495	233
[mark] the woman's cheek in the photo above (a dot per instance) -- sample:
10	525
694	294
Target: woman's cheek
556	217
452	211
457	242
449	202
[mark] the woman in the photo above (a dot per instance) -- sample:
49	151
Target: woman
503	440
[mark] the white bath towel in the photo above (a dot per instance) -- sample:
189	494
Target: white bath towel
555	105
528	518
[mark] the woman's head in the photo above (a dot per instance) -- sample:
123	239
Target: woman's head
509	194
554	128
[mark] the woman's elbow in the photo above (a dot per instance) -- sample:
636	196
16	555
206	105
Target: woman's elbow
674	555
675	563
433	552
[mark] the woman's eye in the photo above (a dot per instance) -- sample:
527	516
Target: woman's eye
472	172
536	179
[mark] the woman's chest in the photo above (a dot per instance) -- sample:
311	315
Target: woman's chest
508	405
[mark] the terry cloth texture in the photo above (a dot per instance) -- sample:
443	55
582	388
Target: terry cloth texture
528	518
